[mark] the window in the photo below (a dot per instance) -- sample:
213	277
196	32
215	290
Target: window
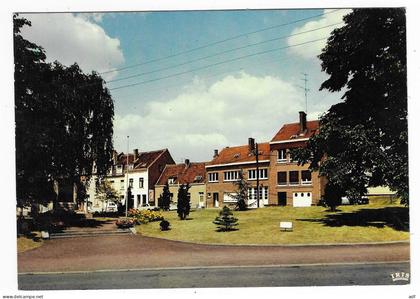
122	185
130	183
141	182
171	181
282	178
263	174
119	169
294	177
231	175
201	196
130	166
213	177
282	155
306	177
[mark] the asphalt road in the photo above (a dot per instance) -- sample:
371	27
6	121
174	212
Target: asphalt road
309	275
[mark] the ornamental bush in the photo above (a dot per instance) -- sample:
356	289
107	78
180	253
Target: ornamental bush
164	225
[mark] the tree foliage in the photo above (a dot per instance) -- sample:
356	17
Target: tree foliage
225	221
183	205
363	140
106	193
165	198
241	195
63	121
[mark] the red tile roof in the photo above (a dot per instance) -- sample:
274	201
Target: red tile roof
144	160
240	154
292	131
182	174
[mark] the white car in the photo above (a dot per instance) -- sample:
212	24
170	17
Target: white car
106	207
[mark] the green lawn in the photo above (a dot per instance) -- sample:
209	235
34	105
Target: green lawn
375	222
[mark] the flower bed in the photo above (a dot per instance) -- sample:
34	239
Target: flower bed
125	223
145	216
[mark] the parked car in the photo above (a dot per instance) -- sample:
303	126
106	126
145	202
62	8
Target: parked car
360	201
106	207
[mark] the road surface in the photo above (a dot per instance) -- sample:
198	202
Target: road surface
252	276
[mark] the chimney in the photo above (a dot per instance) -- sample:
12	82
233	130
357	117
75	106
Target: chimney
302	121
187	163
136	154
216	153
251	145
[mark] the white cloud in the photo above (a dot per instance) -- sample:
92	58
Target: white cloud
72	38
312	50
201	119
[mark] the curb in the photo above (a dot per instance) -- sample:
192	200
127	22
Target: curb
215	267
284	245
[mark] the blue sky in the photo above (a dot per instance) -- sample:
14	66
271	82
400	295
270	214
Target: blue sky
206	107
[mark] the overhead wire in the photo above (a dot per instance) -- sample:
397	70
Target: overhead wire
218	42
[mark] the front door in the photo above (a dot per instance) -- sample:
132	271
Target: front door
282	198
216	200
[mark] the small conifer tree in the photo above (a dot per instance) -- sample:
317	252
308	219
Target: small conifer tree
225	221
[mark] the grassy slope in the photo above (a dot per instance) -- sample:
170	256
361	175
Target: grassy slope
370	223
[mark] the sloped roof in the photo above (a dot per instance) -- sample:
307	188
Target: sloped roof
292	131
240	154
144	160
182	173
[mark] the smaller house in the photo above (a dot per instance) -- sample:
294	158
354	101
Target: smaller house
193	173
139	171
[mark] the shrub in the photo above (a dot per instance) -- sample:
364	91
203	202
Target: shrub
164	225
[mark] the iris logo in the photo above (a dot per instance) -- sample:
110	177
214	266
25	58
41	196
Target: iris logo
398	276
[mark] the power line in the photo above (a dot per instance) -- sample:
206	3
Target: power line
214	64
220	53
218	42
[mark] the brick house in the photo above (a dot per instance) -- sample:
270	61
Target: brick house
224	169
193	173
291	184
144	169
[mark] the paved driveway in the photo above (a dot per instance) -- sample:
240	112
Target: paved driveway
135	252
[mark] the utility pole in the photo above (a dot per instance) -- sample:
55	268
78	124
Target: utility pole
305	89
126	171
258	175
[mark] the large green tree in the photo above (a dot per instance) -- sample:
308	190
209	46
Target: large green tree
63	122
363	140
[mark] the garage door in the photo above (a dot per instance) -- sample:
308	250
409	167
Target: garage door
302	199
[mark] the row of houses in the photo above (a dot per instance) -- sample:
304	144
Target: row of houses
268	165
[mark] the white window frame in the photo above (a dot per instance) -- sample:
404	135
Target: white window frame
282	158
171	181
141	183
119	169
253	177
231	175
213	177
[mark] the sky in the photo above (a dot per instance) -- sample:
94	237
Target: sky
195	81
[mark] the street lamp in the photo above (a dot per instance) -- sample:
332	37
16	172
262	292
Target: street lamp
126	171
